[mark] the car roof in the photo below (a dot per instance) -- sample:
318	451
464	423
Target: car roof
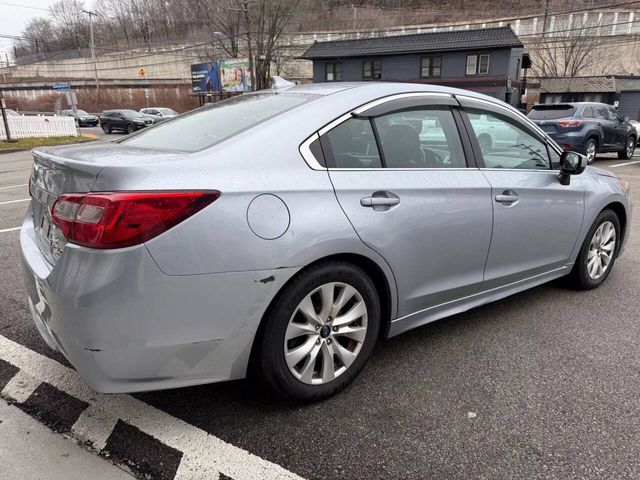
383	88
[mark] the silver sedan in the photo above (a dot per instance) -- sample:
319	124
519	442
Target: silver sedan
285	232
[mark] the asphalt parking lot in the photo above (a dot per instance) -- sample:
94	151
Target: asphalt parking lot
544	384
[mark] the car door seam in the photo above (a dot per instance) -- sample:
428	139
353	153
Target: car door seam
395	282
493	219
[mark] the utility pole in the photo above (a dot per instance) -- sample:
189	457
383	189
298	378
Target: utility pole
93	51
3	107
247	21
546	18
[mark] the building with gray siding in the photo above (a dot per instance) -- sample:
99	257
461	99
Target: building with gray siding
487	60
621	91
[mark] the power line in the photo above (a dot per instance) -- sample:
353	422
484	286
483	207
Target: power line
8	4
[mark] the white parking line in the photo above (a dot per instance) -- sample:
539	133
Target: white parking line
203	454
623	164
15	201
9	229
14	186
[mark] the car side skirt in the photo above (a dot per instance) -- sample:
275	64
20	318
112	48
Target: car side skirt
428	315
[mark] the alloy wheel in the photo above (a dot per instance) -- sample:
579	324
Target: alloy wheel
601	250
325	333
591	152
631	146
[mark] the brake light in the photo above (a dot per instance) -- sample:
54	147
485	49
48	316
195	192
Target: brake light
570	123
123	219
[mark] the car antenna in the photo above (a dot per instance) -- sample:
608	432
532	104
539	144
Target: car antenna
278	83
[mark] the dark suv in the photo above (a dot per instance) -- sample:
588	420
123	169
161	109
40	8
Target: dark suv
586	127
126	120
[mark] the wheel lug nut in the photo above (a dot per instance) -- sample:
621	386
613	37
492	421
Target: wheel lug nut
317	327
335	328
328	341
318	342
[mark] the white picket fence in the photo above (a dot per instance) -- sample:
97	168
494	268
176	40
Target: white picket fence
41	126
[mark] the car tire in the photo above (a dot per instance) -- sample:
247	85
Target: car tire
275	354
106	128
629	148
130	128
591	150
594	250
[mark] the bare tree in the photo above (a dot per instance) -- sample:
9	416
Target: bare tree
569	50
266	21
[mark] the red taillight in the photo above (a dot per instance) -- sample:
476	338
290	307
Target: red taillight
570	123
122	219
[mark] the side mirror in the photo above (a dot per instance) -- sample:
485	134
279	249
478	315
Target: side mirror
571	163
625	118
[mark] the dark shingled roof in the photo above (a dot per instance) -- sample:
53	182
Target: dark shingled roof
416	43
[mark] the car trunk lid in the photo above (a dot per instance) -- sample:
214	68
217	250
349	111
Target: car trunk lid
60	170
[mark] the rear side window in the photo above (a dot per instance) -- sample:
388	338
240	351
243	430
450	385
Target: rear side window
207	126
352	144
550	112
587	112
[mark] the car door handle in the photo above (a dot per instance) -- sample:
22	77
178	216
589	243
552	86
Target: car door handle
379	201
507	197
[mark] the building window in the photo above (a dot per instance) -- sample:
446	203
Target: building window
430	67
477	64
333	72
371	70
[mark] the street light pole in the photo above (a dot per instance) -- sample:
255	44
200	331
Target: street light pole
93	51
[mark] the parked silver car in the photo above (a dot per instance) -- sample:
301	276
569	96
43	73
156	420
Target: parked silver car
284	232
159	114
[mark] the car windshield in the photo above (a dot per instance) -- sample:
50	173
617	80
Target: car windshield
550	112
206	126
82	113
11	113
166	111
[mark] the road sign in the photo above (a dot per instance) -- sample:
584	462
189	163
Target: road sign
61	87
147	93
72	99
141	72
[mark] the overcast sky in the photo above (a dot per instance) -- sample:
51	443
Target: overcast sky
14	14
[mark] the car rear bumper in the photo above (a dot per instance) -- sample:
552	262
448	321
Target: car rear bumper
126	326
571	141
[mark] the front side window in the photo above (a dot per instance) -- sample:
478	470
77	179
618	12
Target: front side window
477	64
333	72
506	144
352	144
430	67
420	138
613	114
600	113
371	70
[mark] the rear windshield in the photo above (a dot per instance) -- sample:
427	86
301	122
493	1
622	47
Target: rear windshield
214	123
549	112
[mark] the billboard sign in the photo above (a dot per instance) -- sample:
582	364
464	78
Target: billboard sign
235	75
205	77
